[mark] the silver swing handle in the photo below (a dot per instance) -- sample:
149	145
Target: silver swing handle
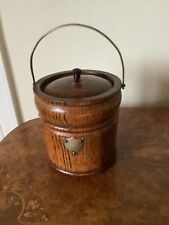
79	25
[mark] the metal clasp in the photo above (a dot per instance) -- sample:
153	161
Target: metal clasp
73	145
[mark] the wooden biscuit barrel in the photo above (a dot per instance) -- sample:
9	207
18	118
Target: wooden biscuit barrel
79	112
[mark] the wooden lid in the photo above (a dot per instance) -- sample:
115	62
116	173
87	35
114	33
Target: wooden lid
77	85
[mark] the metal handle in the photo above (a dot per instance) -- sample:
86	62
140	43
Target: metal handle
79	25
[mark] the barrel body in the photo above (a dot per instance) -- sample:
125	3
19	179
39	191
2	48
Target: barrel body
80	139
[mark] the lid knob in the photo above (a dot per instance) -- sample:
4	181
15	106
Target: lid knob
76	74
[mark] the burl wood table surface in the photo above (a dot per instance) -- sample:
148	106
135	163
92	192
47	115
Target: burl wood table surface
135	191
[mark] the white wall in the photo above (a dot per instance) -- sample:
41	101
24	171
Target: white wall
139	27
8	119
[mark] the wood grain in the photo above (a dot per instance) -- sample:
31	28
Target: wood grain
134	191
91	118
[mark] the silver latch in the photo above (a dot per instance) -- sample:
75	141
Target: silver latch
73	145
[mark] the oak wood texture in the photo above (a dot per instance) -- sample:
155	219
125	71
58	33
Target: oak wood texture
84	108
134	191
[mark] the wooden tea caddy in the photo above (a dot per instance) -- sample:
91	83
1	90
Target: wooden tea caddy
79	112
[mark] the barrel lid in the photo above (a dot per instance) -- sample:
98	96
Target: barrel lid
77	85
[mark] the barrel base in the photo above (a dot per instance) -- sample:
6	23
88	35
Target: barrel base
75	173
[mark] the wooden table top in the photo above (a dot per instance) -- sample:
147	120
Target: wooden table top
135	191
